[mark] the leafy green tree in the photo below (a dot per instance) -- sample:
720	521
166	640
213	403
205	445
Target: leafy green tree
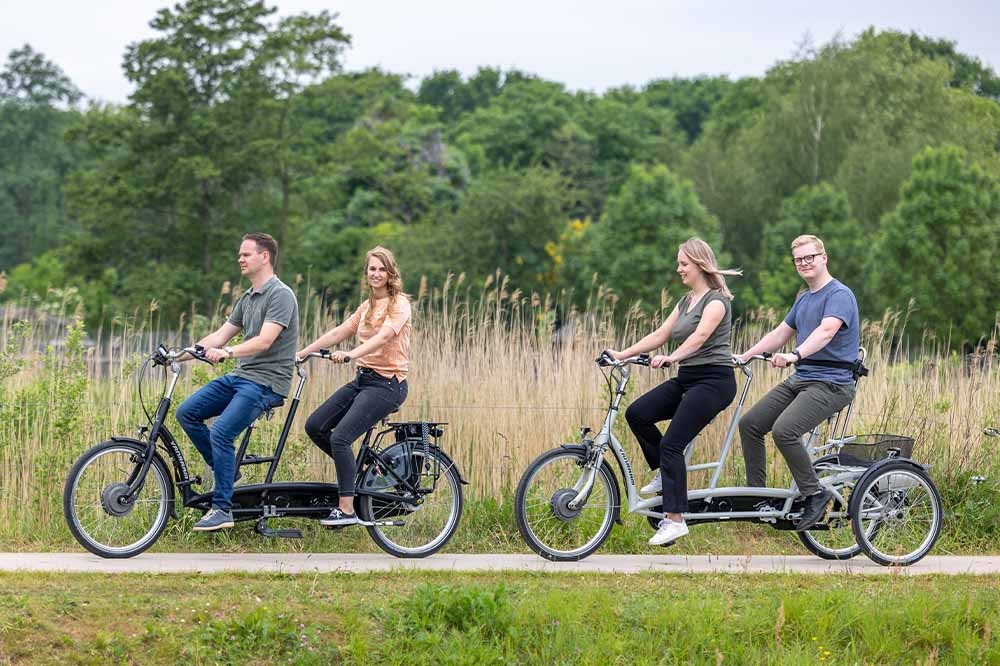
504	222
212	145
301	49
446	90
36	107
616	131
530	123
29	78
939	247
849	113
633	247
968	72
823	211
690	100
395	166
386	174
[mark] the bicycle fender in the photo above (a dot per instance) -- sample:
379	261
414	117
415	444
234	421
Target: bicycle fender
141	446
445	456
877	467
452	464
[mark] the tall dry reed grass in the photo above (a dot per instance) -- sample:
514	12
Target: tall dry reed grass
511	373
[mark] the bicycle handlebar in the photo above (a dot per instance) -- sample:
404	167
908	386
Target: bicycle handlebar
162	355
766	356
606	359
322	353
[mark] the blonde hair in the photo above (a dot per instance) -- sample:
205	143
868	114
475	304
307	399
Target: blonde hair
701	255
805	239
393	283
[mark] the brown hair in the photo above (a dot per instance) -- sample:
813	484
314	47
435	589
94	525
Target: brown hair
265	243
393	283
701	255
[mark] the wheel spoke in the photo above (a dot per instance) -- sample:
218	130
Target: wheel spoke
907	509
424	527
545	519
97	515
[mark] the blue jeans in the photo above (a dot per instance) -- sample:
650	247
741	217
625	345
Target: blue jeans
236	402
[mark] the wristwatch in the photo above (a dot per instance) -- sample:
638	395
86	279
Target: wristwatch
229	351
797	353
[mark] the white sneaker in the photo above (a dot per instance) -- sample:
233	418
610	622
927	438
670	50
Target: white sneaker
669	531
654	486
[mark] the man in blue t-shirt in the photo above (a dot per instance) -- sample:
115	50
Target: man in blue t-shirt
825	323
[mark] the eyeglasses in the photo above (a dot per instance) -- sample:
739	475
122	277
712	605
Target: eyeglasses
806	259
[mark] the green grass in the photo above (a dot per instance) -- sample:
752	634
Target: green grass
416	618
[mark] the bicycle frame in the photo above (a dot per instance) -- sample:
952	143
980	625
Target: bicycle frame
713	493
368	453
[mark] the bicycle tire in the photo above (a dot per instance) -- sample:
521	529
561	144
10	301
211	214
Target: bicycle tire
426	526
901	496
547	524
96	517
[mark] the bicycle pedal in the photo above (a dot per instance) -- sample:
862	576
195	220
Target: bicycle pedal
667	544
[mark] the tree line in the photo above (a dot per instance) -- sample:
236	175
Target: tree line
885	145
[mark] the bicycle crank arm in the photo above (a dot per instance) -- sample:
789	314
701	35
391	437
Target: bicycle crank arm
373	523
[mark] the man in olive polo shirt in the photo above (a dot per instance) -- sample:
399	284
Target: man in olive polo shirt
268	315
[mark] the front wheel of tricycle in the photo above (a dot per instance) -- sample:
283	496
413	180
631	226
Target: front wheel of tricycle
547	518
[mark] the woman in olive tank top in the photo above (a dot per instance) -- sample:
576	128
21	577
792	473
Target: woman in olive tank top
699	328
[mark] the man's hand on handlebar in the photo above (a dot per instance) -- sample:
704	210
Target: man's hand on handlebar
216	355
783	360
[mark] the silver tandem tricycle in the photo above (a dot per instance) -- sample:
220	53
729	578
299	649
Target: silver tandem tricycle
884	503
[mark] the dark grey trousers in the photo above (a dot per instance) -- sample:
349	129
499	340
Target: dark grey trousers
788	411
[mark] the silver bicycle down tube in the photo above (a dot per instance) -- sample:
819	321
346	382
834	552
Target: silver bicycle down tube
603	439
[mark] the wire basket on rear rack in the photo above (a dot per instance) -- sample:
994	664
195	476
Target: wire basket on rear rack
867	449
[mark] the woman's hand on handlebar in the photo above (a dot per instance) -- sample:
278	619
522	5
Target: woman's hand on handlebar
661	361
340	357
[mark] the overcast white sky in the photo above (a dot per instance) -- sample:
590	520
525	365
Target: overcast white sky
585	44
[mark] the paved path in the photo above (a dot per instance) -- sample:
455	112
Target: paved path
360	563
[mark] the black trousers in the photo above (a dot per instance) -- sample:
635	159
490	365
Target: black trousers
690	400
349	413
